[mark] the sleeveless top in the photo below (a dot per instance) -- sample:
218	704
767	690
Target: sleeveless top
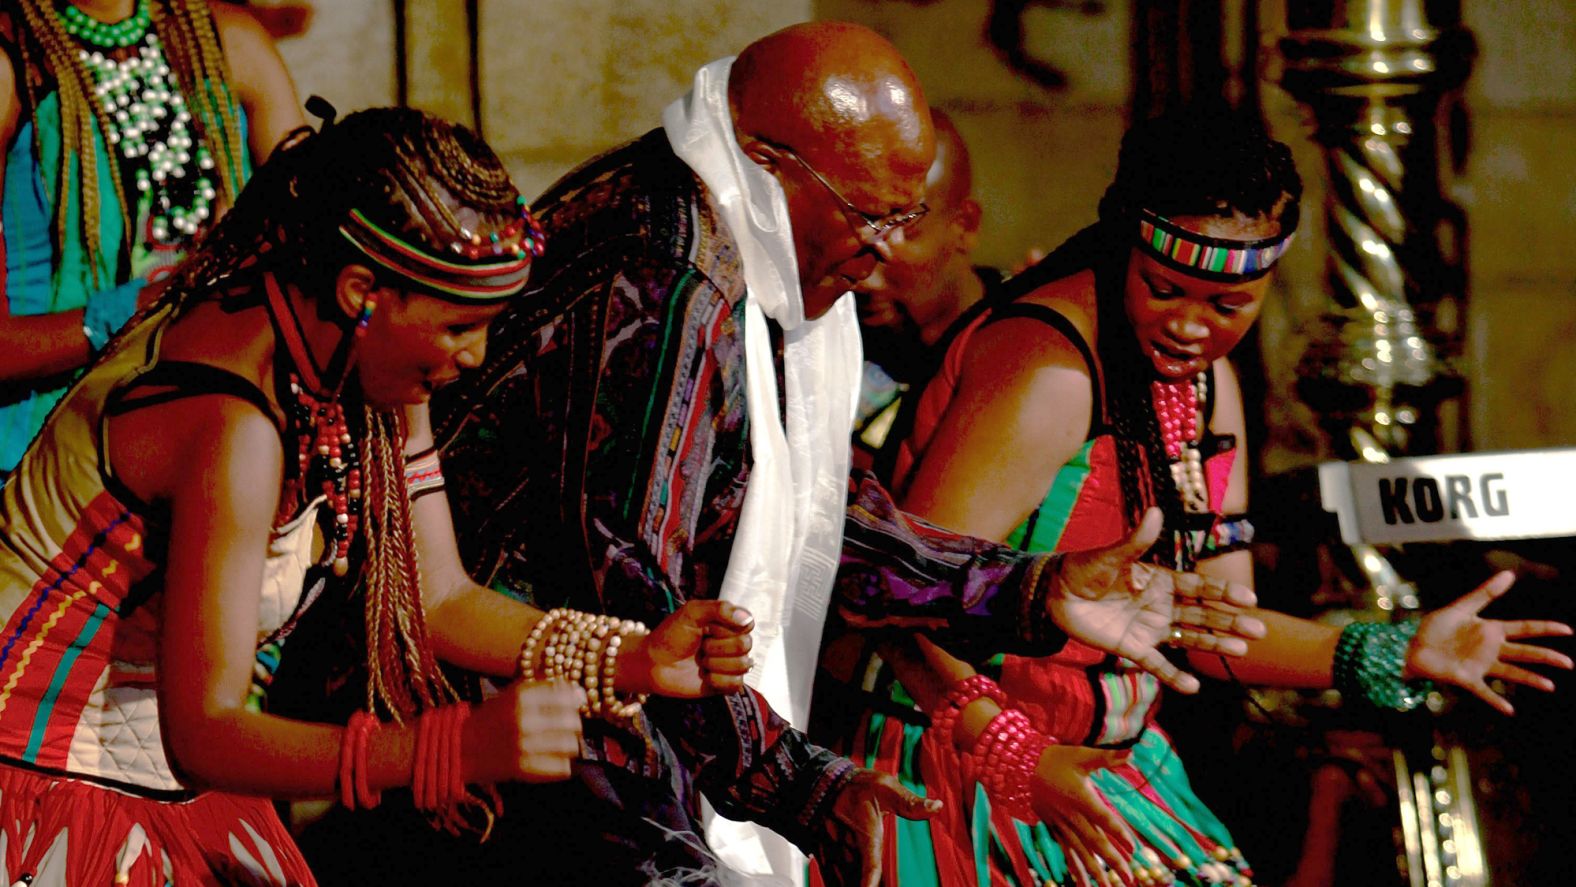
37	281
80	579
1080	695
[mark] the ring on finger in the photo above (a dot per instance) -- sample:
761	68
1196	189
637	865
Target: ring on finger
1176	636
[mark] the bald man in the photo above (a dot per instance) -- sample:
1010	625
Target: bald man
925	287
624	449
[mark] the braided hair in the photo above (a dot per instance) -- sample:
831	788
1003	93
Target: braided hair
49	60
408	172
1193	161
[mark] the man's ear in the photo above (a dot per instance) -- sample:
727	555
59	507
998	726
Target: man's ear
352	287
967	218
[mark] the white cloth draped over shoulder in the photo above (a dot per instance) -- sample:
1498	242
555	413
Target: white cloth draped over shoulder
790	534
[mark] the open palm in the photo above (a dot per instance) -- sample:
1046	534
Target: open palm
1455	645
1108	600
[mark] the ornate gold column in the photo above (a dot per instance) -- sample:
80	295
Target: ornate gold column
1373	73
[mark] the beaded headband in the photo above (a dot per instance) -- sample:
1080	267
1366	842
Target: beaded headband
510	252
1209	257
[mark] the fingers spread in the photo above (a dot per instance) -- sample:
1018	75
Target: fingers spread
1207	642
891	794
1152	661
1535	655
1475	600
1496	701
1521	676
1535	628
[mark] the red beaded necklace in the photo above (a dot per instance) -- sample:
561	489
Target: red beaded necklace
326	455
1176	409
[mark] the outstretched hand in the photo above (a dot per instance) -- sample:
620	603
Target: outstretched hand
1454	645
1098	843
701	650
1108	600
849	850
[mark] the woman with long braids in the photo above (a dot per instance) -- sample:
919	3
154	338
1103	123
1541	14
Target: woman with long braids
1095	399
254	441
124	131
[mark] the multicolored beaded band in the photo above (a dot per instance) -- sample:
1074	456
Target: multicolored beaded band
423	474
515	247
1232	532
1209	257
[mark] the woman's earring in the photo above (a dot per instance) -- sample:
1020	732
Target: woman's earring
368	305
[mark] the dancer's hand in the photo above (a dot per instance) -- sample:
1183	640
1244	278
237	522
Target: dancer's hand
701	650
529	733
849	851
1454	645
1099	845
1108	600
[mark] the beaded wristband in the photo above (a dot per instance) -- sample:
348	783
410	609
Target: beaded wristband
1007	754
1369	660
528	667
423	474
583	649
355	791
944	720
423	777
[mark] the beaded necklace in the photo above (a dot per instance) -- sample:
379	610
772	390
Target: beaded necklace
327	457
149	123
1176	407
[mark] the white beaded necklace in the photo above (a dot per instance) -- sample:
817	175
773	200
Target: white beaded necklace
150	128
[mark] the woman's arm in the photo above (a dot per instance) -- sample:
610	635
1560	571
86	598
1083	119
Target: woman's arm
31	346
259	77
1019	414
1453	644
1293	652
213	576
479	629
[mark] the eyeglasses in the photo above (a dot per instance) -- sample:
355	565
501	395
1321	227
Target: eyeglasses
873	228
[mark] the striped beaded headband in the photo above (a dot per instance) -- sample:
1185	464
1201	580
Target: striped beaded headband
1209	257
515	246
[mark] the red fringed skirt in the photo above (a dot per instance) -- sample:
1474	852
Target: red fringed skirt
60	831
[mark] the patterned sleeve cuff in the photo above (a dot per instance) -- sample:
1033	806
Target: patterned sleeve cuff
1034	619
823	791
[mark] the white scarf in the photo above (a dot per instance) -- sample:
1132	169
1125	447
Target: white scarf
790	534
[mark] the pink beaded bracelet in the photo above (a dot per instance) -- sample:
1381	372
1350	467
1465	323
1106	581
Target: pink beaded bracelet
976	686
1006	755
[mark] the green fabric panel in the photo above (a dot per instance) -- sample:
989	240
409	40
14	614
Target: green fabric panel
1057	506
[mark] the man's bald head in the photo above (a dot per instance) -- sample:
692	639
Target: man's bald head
926	279
840	98
951	177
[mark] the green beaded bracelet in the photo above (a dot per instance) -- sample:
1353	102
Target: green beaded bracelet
1369	660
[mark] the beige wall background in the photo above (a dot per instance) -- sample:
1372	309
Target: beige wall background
562	80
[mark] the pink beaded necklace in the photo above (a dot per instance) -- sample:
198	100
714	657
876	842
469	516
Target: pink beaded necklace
1177	409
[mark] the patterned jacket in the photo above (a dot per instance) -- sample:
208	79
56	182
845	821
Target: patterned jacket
599	459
